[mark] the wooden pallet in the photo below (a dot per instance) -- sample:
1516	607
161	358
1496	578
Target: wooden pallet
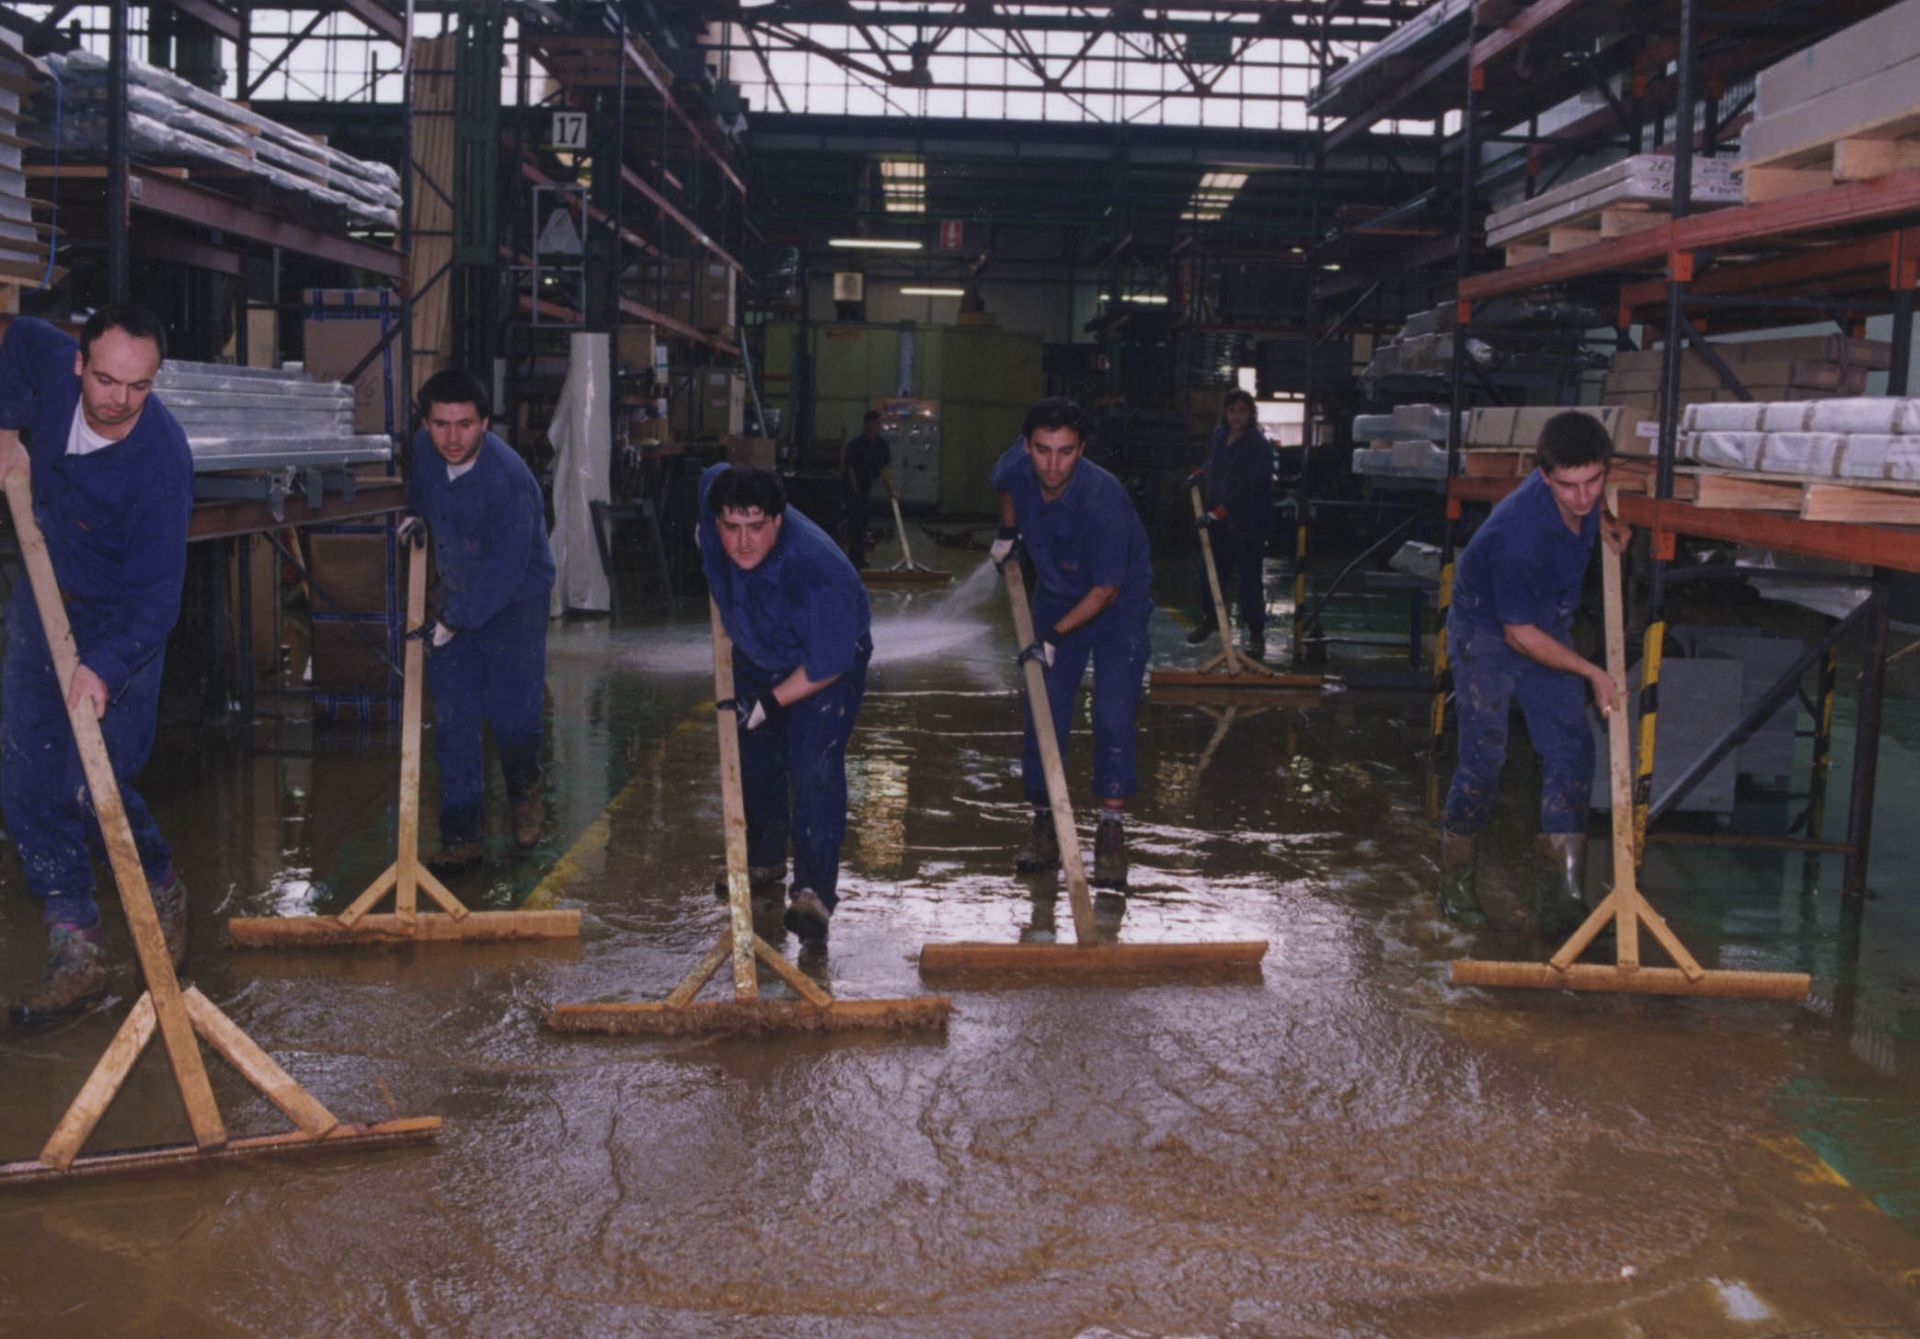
1584	230
1855	158
1810	497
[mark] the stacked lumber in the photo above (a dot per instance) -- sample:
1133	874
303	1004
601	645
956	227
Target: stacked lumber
23	252
172	121
1808	367
1855	459
1500	441
430	243
1842	110
1410	442
1390	63
1623	198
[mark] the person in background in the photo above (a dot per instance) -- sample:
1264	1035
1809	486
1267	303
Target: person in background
1509	631
1092	569
112	484
801	628
486	629
1237	511
868	457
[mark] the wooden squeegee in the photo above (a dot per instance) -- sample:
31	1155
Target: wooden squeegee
1625	907
1087	955
181	1018
1231	670
680	1013
905	574
406	877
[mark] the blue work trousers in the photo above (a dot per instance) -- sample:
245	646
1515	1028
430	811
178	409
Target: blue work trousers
1488	676
49	811
492	676
1240	562
859	508
1116	642
793	774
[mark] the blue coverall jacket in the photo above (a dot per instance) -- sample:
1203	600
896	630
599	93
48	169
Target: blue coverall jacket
1088	536
489	536
115	521
802	607
1240	478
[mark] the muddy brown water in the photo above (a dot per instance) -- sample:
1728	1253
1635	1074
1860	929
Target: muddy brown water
1343	1146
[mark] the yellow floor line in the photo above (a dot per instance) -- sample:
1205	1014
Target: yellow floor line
569	867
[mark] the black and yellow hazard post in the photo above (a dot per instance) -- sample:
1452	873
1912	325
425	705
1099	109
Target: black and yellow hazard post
1822	763
1442	676
1649	713
1301	585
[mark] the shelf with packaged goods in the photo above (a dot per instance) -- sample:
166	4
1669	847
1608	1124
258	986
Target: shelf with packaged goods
668	210
1845	276
640	312
1849	205
592	62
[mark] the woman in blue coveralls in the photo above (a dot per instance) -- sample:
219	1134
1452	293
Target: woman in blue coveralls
487	657
1515	589
1237	493
801	629
1090	560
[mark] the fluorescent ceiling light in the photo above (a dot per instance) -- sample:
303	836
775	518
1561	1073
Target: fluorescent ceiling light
873	244
933	292
1212	196
1140	299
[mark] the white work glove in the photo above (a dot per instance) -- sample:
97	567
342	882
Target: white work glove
1004	544
1042	651
442	634
409	527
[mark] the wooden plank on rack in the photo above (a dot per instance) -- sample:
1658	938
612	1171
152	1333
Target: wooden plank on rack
1879	506
1864	159
1738	493
1780	183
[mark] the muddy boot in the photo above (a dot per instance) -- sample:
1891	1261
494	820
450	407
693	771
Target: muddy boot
808	918
456	857
1560	888
1203	629
1109	854
170	902
1459	862
1042	849
764	883
529	821
74	978
1257	644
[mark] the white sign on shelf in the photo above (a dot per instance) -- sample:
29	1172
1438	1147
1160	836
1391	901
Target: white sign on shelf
569	130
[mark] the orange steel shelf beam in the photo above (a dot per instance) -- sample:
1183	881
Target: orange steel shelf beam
1841	541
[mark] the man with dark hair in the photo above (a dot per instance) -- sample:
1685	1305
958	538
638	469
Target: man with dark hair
487	623
1090	561
1237	498
1515	589
801	631
112	483
867	458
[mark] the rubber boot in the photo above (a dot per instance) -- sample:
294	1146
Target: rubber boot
1110	855
1257	643
74	978
170	903
1202	630
1459	864
456	857
807	916
1042	848
764	883
529	821
1560	887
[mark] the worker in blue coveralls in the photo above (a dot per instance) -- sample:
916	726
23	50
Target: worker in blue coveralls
1515	589
1090	560
486	626
801	631
868	457
1237	511
112	483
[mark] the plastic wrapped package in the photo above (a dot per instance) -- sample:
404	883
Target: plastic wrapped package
582	437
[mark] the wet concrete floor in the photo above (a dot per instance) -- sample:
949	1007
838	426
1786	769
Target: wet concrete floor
1345	1145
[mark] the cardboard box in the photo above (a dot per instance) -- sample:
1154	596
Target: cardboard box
665	286
715	309
633	349
1624	425
352	569
340	326
722	402
348	657
755	451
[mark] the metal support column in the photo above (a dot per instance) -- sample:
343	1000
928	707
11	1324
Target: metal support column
118	223
1866	749
1902	366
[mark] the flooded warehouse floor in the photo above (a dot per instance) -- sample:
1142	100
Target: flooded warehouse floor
1341	1145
